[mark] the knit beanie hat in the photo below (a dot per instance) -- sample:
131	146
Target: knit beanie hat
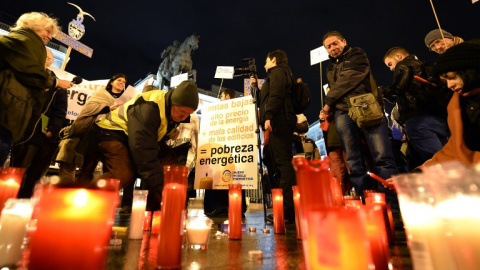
459	57
186	95
434	35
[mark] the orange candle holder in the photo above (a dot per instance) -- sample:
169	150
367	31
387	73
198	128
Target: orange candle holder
378	198
296	204
148	221
337	239
174	198
351	202
73	226
278	218
377	236
235	211
10	182
156	220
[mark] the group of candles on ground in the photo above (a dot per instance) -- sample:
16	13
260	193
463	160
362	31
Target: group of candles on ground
74	224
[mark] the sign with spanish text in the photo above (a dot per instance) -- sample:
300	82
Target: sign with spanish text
75	44
227	145
80	93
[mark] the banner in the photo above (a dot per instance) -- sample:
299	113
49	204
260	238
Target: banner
227	149
80	93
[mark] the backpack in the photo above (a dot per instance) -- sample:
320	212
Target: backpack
301	96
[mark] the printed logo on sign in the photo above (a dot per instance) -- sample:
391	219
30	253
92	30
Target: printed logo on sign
227	176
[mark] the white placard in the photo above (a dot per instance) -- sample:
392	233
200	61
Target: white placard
227	145
224	72
80	93
318	55
325	88
177	79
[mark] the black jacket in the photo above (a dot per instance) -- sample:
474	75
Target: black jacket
275	95
413	96
348	75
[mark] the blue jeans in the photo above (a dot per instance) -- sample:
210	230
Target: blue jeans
427	134
380	148
5	144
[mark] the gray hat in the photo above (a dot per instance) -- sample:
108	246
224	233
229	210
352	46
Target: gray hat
434	35
186	95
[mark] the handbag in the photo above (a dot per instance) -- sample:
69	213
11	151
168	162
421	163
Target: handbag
364	109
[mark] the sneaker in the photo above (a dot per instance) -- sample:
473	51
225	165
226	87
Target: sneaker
217	213
126	210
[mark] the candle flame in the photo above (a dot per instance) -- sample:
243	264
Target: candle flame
377	198
80	199
278	197
11	182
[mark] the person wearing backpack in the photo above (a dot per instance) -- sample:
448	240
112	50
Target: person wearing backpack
278	117
348	76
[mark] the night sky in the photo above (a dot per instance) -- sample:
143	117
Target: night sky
129	36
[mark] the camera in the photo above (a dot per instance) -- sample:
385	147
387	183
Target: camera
251	70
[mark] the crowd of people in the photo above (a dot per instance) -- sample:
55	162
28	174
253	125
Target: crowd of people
437	108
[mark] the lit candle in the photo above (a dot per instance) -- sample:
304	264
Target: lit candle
381	180
138	214
278	218
10	181
377	236
235	211
379	199
338	239
198	233
73	227
296	204
174	198
13	226
157	217
351	202
148	221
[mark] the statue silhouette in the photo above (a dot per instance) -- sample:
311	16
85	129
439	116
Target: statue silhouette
176	60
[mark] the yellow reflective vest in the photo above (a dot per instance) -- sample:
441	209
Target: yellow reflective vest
118	118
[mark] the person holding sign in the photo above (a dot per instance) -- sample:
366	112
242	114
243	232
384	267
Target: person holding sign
133	135
278	118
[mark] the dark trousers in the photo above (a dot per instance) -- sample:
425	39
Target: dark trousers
216	199
280	144
37	160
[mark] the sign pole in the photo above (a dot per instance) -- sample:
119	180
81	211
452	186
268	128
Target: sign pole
67	55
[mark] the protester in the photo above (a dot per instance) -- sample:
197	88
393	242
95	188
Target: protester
23	78
419	110
76	139
439	41
348	75
134	135
278	118
40	142
459	68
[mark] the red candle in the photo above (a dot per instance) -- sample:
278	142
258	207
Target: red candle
378	198
148	221
338	239
235	211
350	202
174	197
381	180
278	219
73	228
10	181
377	236
296	204
156	220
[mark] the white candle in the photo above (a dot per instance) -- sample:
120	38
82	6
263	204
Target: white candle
137	219
13	226
198	231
